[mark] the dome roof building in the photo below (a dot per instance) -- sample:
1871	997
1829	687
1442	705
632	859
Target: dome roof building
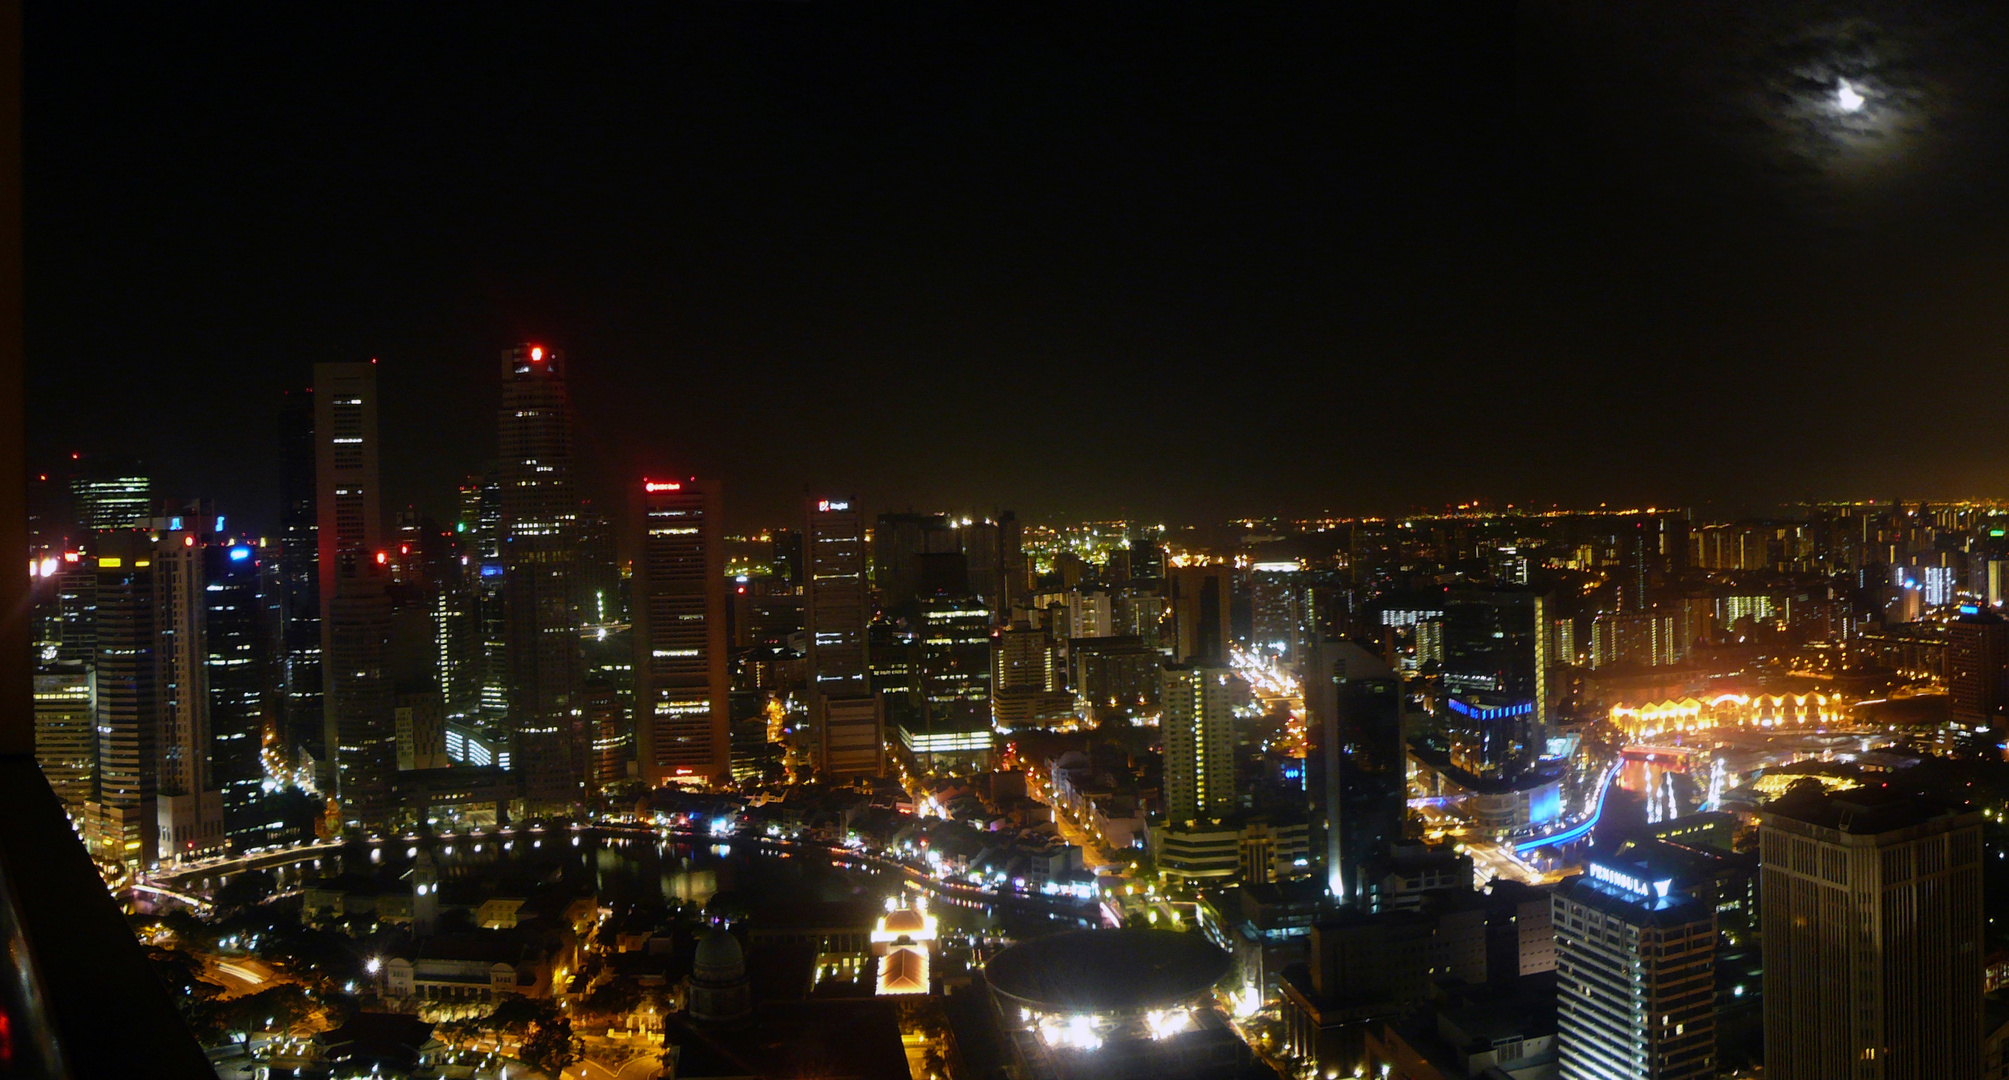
718	990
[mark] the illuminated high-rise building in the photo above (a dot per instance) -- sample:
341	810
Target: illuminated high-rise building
847	719
1635	974
1278	599
540	546
358	742
1977	667
1495	672
956	666
1202	604
122	824
121	500
1355	761
361	697
236	638
1197	723
682	726
65	733
190	804
1873	937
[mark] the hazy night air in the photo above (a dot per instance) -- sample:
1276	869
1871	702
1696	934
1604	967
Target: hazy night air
1648	247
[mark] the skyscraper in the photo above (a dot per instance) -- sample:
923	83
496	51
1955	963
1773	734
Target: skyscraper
1872	937
190	804
848	720
357	740
64	733
237	661
1355	761
1198	729
683	732
1202	604
123	819
1635	974
955	666
1977	662
303	719
114	499
1495	675
1277	595
540	560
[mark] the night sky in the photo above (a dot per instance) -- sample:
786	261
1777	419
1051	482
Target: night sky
1086	260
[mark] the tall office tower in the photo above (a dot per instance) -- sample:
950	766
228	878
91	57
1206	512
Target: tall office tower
348	534
481	517
955	671
1198	728
599	582
1977	662
303	718
847	719
122	825
682	726
1635	974
190	804
1355	760
118	500
1201	603
611	719
1025	660
1872	936
361	697
1011	556
983	553
65	733
457	625
898	542
61	588
540	560
237	665
1495	673
1277	602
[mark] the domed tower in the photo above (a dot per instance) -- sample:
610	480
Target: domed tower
425	896
717	990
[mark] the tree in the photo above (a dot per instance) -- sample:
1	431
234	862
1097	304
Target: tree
616	997
549	1045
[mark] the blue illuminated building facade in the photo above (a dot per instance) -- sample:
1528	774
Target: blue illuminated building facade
236	659
1495	676
1635	974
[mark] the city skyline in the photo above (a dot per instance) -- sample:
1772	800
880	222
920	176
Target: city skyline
1179	540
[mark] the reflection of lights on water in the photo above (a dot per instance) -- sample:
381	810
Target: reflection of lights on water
1847	98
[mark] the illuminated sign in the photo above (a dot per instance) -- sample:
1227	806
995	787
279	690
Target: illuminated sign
651	485
1636	886
827	505
491	569
239	553
1500	713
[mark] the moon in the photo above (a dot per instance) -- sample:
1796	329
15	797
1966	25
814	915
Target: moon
1847	99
